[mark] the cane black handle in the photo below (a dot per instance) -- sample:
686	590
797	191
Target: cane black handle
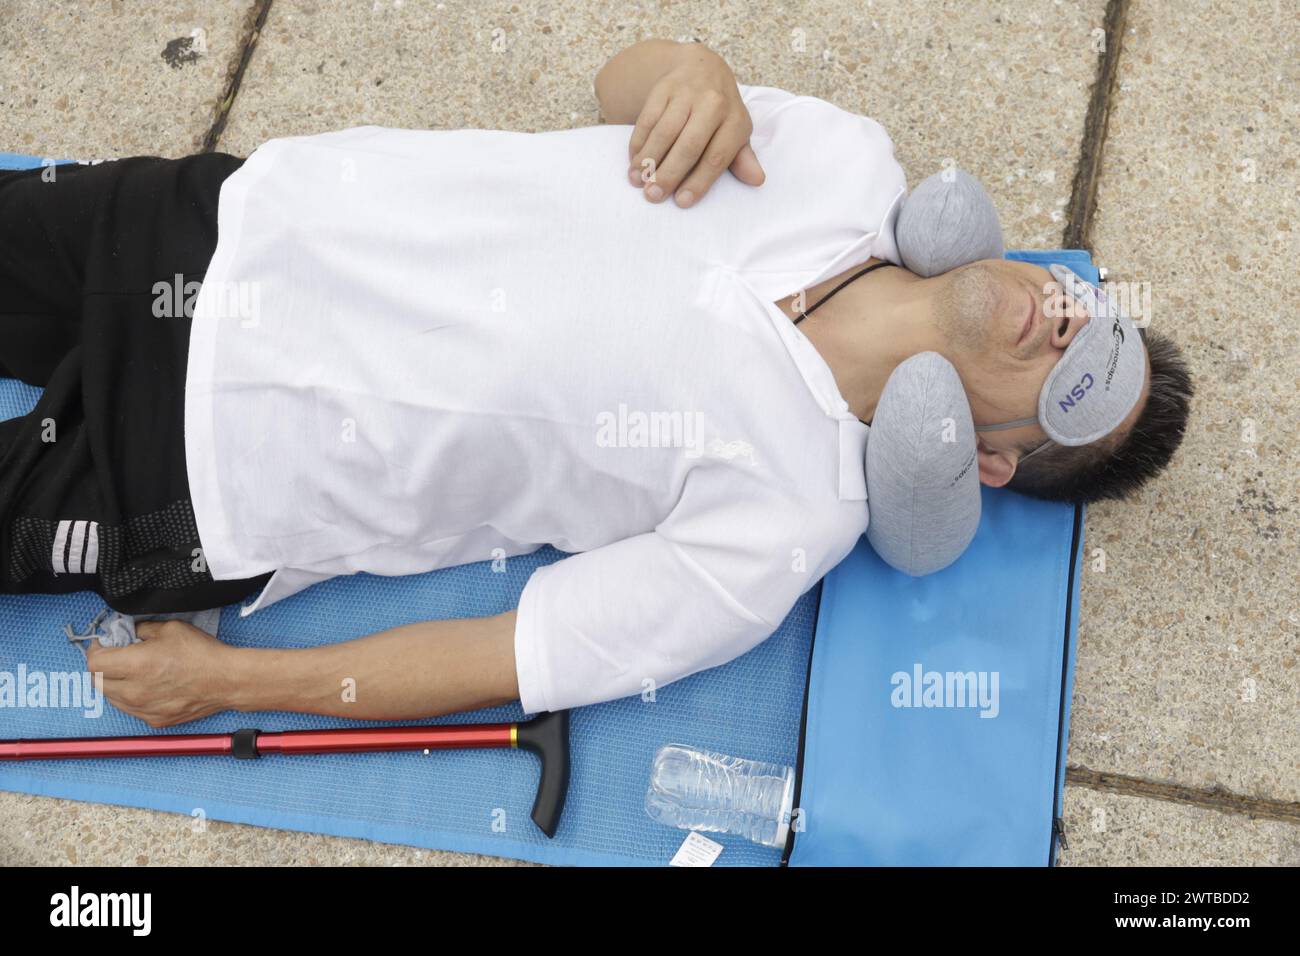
547	736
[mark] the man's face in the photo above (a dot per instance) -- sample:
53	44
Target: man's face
1007	324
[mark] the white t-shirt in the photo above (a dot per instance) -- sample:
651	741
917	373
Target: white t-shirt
418	349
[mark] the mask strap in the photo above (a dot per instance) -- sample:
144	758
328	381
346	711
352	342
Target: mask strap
1025	458
1016	424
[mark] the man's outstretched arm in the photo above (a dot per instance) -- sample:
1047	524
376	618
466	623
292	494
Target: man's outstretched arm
426	669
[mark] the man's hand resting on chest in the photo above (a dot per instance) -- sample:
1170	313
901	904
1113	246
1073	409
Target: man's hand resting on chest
691	124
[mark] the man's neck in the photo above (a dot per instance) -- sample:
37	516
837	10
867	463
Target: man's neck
868	328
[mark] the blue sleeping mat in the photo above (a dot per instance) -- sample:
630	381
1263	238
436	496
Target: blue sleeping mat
457	800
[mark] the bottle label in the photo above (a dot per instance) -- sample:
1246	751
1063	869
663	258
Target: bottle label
697	850
787	812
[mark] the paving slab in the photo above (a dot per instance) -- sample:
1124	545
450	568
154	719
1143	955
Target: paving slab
1000	90
1111	829
1189	639
1104	829
43	831
106	80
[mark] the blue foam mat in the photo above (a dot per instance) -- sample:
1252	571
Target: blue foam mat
20	161
885	784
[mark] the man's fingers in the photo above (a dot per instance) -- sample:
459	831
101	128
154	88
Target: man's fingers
125	696
113	687
121	694
105	660
682	147
648	161
651	113
702	153
747	168
722	153
691	145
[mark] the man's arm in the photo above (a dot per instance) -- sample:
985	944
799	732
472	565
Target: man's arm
416	670
178	673
624	82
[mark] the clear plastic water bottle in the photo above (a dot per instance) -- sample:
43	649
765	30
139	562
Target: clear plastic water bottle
701	790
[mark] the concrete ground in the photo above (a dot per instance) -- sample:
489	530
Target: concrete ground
1180	120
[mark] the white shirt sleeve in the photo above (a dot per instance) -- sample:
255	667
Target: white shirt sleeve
705	587
763	102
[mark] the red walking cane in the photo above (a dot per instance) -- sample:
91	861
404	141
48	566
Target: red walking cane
546	735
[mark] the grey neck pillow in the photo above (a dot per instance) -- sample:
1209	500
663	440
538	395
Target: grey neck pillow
946	222
923	489
922	466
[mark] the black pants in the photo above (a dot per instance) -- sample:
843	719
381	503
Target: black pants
94	267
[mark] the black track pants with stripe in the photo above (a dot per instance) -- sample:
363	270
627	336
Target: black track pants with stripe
97	272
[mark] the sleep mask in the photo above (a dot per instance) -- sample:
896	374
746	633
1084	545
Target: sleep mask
1094	386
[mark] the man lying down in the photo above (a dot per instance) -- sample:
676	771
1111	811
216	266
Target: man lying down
416	349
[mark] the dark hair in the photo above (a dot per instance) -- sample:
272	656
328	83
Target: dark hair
1116	466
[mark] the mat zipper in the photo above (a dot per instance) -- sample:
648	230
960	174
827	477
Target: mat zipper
803	726
1057	835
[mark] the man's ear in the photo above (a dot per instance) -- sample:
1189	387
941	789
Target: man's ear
996	467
